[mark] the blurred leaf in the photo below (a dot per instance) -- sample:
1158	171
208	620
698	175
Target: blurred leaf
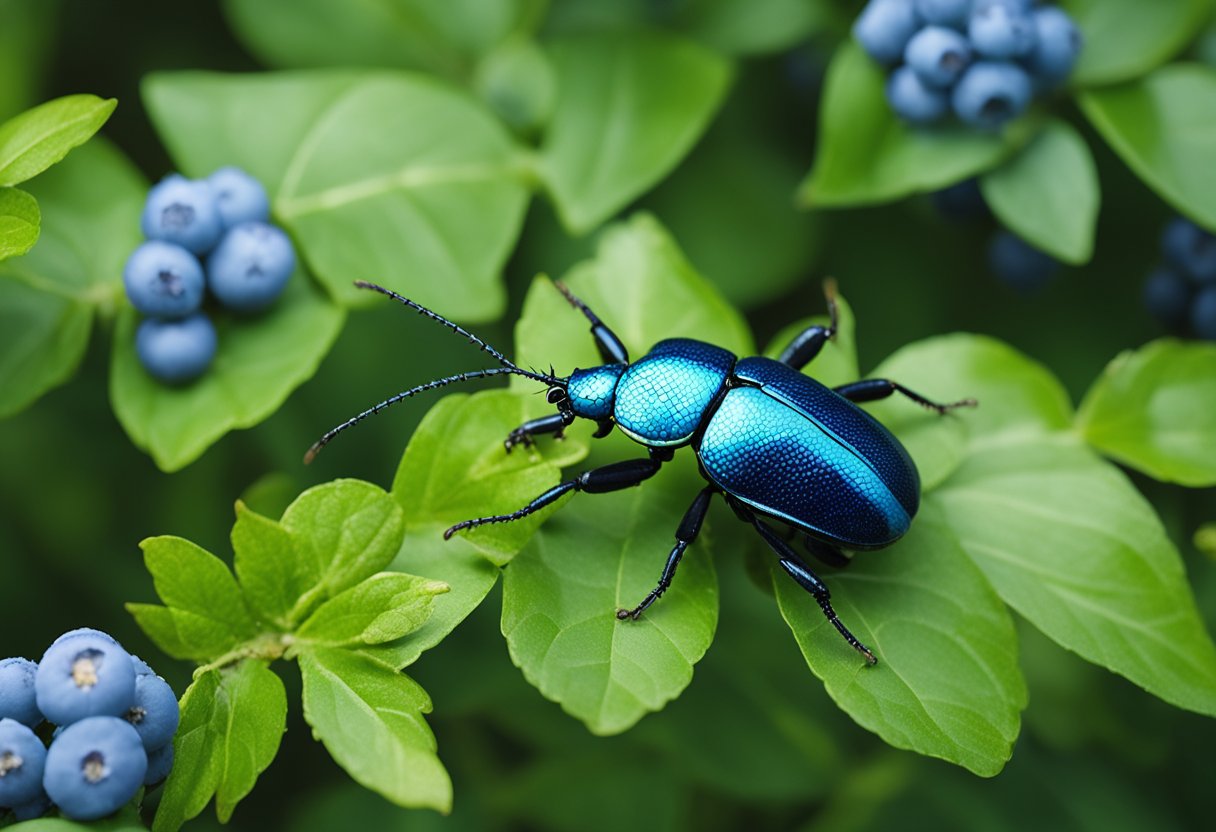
629	107
1161	125
19	220
370	718
26	41
382	608
272	573
640	285
837	364
258	364
1048	194
1205	539
755	28
866	154
117	824
380	176
947	683
1124	39
516	80
36	139
90	206
1155	410
231	725
270	494
1070	544
602	553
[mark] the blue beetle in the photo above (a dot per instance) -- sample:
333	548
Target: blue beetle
776	443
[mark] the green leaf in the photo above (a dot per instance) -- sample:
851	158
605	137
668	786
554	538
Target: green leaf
380	176
370	719
38	138
208	609
866	154
755	28
1124	39
1205	539
640	285
273	576
599	554
382	608
19	221
345	532
837	363
260	361
629	107
1155	409
947	682
1070	544
516	80
117	824
1161	125
160	624
1048	194
231	725
90	208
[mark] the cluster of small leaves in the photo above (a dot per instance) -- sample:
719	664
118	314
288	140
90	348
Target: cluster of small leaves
309	587
1038	175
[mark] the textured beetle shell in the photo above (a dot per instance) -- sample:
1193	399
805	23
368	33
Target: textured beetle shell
794	449
592	391
661	399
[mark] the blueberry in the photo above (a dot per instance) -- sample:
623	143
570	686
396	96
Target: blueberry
176	352
183	211
961	201
938	55
1168	295
1002	29
1190	249
884	28
1203	314
250	266
32	809
94	767
142	668
85	631
155	714
160	763
84	676
1020	265
1058	44
944	12
991	93
239	197
22	757
17	700
164	280
913	101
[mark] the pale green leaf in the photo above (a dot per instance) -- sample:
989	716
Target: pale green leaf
1124	39
272	574
19	221
38	138
382	608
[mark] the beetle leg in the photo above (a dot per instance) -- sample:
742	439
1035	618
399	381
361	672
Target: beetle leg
825	552
870	389
612	477
553	423
807	344
610	347
685	535
797	569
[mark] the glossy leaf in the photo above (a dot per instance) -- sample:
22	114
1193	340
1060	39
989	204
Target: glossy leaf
1048	194
272	573
370	718
1124	39
867	155
1155	410
19	221
90	207
260	361
629	107
601	553
38	138
1161	125
382	608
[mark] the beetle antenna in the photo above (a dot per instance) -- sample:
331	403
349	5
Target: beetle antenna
829	293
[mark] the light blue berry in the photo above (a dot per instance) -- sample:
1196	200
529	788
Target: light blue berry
938	56
1203	314
953	13
142	668
183	211
1168	296
1018	264
239	197
164	280
913	101
160	764
94	767
884	28
35	808
991	93
22	758
85	631
1057	49
17	700
1190	249
249	268
84	676
1002	29
176	352
155	713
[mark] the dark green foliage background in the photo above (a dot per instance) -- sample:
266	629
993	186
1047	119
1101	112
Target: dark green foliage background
76	497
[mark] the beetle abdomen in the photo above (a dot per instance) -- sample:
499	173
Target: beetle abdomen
662	399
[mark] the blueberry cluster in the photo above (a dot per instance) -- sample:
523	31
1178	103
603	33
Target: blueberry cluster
224	219
116	720
983	60
1181	293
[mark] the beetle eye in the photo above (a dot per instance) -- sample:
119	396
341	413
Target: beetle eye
555	395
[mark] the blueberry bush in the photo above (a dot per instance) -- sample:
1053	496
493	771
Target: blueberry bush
689	168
